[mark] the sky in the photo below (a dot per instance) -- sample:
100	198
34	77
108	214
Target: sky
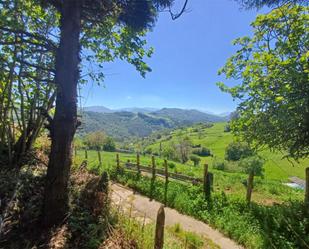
188	53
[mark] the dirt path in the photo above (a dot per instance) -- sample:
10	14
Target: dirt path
139	206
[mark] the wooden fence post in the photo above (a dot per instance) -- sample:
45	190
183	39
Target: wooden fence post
249	187
86	154
99	156
138	163
206	182
153	164
153	177
159	236
307	187
166	181
117	161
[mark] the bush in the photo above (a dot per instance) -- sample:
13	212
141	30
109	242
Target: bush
196	146
195	159
169	153
202	151
109	144
236	150
219	165
227	128
148	151
171	165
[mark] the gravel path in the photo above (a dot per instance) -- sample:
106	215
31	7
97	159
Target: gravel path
141	207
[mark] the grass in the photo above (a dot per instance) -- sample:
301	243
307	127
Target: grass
174	238
266	190
214	138
255	226
261	225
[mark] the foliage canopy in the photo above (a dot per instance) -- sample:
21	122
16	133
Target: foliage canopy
273	68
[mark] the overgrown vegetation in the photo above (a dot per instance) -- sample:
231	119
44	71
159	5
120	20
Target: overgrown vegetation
255	226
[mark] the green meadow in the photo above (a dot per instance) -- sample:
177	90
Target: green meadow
268	189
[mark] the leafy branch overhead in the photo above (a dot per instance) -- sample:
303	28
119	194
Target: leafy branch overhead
273	70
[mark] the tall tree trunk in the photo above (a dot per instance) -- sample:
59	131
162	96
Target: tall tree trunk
65	120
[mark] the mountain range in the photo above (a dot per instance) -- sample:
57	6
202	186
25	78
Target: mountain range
140	122
103	109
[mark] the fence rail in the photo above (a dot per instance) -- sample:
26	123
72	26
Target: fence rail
161	172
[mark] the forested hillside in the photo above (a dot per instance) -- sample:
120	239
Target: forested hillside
124	125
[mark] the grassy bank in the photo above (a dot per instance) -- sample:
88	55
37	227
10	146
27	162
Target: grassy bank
256	226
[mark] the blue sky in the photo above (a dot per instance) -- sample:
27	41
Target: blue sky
188	54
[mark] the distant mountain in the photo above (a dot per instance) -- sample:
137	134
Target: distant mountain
225	114
138	109
182	117
100	109
123	124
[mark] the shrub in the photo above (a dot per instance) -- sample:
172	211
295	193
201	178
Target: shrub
196	146
219	165
195	159
202	151
253	164
171	165
148	151
169	153
109	144
227	128
236	150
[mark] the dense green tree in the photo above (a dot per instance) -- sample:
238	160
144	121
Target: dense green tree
273	68
237	150
109	144
95	140
183	148
26	75
88	25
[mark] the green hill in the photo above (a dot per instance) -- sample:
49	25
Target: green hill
217	140
125	125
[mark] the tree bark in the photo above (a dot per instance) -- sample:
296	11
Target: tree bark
64	123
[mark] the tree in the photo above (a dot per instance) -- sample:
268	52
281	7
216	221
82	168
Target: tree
195	159
95	140
253	166
109	144
86	25
203	151
183	149
237	150
274	90
169	151
250	4
27	55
